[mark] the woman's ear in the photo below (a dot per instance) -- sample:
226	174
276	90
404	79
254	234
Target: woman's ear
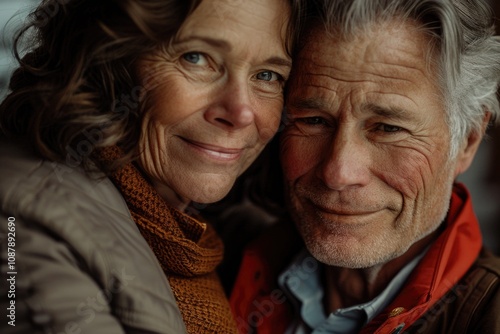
469	147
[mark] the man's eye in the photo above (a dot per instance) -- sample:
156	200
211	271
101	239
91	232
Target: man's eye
388	128
196	58
268	76
312	120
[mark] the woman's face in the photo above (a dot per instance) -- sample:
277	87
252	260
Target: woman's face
213	97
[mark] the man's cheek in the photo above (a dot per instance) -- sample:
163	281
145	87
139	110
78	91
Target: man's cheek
295	159
408	175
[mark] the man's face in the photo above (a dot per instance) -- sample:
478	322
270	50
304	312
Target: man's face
365	153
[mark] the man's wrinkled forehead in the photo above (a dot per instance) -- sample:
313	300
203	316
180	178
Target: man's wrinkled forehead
386	68
324	53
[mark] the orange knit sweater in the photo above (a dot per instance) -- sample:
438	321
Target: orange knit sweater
188	250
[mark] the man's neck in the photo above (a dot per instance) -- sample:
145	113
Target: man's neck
345	287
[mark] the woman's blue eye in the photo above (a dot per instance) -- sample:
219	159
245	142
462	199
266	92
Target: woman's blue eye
268	76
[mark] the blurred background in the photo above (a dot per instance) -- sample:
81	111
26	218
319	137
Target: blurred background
483	178
9	21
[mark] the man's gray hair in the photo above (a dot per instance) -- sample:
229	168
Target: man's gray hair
464	49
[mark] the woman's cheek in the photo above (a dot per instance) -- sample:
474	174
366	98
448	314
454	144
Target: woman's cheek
269	128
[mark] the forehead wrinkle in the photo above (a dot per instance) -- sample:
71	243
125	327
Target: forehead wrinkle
260	22
312	96
384	87
422	72
248	18
405	97
224	10
331	84
311	76
389	111
335	73
398	60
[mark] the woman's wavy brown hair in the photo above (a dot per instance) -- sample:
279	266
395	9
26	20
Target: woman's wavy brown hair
74	90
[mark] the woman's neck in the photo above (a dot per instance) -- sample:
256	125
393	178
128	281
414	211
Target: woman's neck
171	197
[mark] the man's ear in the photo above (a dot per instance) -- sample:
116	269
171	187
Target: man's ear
469	147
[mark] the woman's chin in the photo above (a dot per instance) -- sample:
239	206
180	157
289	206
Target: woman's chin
208	197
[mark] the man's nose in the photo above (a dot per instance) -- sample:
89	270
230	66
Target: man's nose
346	162
232	109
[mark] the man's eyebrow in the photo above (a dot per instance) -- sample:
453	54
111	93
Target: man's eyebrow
389	112
311	104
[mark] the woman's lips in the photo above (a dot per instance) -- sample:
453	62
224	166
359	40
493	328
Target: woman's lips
216	152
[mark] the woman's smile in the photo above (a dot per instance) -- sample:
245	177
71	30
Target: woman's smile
214	152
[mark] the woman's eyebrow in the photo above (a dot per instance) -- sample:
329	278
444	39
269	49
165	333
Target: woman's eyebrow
216	42
279	61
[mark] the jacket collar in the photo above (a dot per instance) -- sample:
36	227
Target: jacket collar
448	259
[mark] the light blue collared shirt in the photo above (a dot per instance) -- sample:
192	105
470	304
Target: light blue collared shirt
301	281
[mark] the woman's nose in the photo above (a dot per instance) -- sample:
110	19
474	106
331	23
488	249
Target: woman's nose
233	109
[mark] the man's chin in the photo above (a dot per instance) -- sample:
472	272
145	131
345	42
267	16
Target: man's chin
348	254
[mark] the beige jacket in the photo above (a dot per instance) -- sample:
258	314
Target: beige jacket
80	264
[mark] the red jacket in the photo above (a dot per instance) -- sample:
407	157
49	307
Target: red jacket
261	307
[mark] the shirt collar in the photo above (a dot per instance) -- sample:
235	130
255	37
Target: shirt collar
301	281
